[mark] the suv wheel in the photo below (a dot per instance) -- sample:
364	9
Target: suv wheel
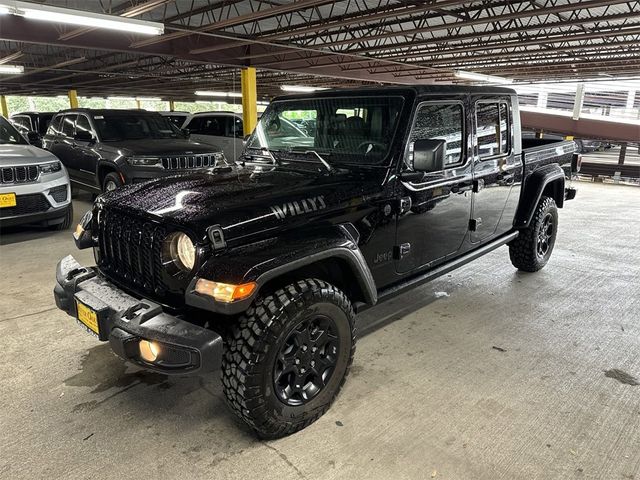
111	182
288	357
532	249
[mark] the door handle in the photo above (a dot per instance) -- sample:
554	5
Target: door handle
506	177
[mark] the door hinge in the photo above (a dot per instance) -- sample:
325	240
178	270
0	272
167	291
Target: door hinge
475	223
400	251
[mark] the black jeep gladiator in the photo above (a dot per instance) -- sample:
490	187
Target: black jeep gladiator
260	270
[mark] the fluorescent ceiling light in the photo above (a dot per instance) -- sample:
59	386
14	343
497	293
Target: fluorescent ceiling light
481	77
300	88
79	17
11	69
211	93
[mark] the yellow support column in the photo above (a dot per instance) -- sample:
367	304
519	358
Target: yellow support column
138	104
249	99
172	106
3	106
73	99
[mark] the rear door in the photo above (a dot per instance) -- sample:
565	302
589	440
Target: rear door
494	165
435	208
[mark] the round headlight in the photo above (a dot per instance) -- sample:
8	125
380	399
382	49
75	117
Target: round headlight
180	251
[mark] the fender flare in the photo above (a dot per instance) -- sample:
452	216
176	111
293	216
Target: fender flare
534	186
266	260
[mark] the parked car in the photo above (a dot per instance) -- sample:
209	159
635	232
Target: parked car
260	271
104	149
32	125
34	186
177	118
224	129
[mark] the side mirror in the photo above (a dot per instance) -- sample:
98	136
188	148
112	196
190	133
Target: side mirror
83	136
428	155
186	132
34	138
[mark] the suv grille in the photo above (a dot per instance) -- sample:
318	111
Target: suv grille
19	174
130	251
189	161
25	205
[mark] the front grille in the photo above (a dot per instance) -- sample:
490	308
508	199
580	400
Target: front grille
59	194
130	251
19	174
185	162
25	205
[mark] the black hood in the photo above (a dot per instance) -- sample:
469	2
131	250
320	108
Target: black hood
248	202
162	147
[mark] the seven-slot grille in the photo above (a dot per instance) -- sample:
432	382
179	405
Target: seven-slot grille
26	205
131	251
25	174
184	162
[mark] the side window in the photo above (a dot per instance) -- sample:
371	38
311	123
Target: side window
492	128
214	126
234	127
195	125
437	121
54	126
68	122
83	124
22	123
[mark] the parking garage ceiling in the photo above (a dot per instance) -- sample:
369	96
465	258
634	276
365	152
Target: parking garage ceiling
319	43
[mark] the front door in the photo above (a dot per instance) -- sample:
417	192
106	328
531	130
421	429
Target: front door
86	154
435	208
495	166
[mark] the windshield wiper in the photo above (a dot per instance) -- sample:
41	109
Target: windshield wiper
266	152
307	151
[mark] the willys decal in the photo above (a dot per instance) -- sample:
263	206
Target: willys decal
298	207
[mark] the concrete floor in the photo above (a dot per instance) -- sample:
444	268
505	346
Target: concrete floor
504	378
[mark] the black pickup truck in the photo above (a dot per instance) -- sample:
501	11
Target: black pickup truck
260	270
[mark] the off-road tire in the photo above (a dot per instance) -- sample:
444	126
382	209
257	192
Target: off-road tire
66	223
109	178
525	250
253	349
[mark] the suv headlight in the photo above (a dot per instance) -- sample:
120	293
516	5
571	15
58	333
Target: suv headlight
144	161
52	167
178	252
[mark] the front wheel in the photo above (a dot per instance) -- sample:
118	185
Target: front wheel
288	357
531	250
111	181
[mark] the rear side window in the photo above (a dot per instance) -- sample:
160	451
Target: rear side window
68	125
438	121
492	128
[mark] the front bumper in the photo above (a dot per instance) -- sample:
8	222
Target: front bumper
124	321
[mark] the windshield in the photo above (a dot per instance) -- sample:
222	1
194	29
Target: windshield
8	133
117	126
342	130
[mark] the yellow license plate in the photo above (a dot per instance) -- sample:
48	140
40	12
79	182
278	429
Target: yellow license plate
87	316
7	200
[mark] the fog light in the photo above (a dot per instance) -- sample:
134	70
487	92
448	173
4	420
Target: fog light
149	351
225	292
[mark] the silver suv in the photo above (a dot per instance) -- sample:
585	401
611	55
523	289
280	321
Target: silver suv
34	185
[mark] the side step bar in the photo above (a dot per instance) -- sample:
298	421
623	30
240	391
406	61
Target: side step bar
401	287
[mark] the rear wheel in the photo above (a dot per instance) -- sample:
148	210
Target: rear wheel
532	249
111	182
288	357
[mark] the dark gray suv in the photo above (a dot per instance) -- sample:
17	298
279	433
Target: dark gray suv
103	149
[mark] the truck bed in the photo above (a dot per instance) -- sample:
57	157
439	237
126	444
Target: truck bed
537	152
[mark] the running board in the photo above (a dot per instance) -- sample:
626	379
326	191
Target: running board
425	277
